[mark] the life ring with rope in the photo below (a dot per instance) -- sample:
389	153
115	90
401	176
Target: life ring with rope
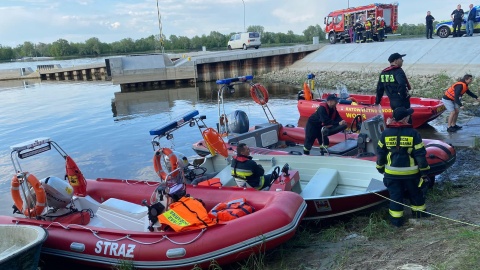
40	195
307	93
215	142
157	165
259	94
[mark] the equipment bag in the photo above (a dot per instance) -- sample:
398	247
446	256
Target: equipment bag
231	210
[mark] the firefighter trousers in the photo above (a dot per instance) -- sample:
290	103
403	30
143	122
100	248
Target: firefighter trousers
397	187
314	132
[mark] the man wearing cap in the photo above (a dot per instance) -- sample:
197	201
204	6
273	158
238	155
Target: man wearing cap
326	119
401	159
394	83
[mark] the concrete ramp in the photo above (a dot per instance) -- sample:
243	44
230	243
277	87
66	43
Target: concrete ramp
453	56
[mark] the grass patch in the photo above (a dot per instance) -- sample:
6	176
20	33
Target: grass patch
442	191
124	265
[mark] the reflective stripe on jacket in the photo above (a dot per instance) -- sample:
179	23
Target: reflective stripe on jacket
245	168
401	151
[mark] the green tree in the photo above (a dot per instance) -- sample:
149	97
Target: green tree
256	28
61	48
314	31
6	53
93	46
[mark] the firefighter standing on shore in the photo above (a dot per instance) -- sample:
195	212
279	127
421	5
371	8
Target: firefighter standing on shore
368	30
401	159
381	29
358	30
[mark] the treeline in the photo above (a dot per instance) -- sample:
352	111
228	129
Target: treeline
214	41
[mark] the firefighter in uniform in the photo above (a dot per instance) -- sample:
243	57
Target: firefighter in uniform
394	82
325	121
358	30
453	100
401	159
368	30
245	168
381	29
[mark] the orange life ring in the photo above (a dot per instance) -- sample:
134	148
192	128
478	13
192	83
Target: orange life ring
75	177
307	93
40	195
214	141
259	94
157	165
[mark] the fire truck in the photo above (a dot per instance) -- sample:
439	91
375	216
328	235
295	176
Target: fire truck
338	22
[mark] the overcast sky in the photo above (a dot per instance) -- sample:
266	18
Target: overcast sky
112	20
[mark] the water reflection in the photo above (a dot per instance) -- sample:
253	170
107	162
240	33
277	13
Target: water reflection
11	84
150	102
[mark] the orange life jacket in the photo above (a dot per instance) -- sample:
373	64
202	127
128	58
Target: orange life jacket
231	210
450	93
186	214
214	182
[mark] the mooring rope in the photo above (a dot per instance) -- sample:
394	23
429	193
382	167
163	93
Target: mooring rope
446	218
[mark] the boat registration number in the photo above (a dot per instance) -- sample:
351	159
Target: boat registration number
114	249
322	205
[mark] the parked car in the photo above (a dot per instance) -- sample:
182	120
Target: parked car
445	29
244	41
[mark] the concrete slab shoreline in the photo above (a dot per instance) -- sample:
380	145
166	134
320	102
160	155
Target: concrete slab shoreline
452	56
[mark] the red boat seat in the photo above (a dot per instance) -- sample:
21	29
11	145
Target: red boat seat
322	184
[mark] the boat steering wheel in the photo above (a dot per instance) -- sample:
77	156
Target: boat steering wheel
192	171
275	174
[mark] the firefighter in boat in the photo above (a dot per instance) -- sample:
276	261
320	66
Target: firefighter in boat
244	168
325	121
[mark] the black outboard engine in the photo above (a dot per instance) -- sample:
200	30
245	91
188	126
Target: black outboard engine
370	135
237	122
300	95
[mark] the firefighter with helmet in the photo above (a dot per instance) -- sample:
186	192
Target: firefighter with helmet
358	27
381	29
368	30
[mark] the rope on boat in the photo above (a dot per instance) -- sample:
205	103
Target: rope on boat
95	233
141	182
447	218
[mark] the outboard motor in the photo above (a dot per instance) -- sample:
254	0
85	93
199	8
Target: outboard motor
370	134
237	122
59	192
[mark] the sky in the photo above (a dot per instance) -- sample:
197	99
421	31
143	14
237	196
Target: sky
47	21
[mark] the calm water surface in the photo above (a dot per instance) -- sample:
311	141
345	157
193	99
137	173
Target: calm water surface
105	131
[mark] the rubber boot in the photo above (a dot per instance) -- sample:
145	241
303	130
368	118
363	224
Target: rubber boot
419	214
306	152
397	222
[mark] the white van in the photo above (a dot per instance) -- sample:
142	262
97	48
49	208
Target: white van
244	41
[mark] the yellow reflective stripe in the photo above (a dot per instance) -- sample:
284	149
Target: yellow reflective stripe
419	208
425	169
175	218
418	146
420	183
395	214
379	167
380	144
262	181
401	170
389	160
241	174
412	161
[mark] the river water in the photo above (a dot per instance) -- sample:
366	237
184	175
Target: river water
107	132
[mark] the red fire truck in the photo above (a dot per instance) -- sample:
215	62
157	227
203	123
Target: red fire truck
338	22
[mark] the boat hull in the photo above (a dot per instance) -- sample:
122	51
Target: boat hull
224	243
425	109
20	246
